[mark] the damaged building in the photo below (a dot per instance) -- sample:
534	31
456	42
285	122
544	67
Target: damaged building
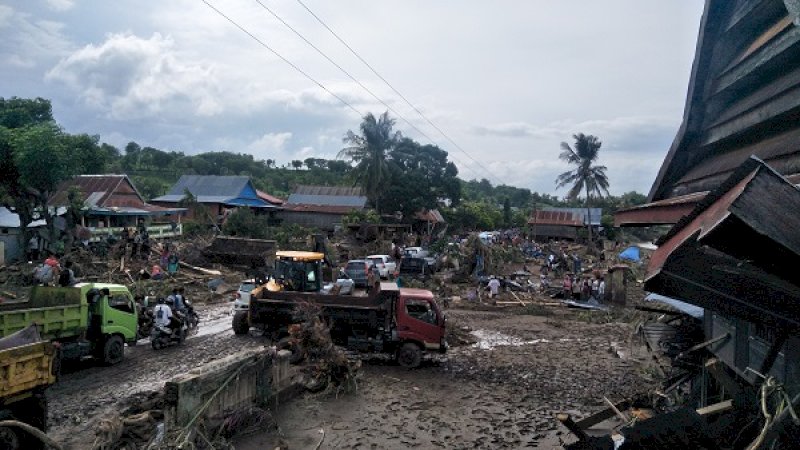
728	187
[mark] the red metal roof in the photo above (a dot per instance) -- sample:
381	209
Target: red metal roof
270	198
666	211
556	218
431	215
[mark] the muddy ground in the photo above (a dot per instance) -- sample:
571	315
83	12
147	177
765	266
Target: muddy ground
501	392
87	392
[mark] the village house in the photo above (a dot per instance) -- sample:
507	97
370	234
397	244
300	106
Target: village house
111	203
322	207
213	196
728	184
563	223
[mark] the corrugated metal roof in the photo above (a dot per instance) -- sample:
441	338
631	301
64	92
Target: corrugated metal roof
567	218
9	219
270	198
340	191
329	200
323	209
431	215
97	190
209	185
596	213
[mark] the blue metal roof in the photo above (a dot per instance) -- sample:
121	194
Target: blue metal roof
230	190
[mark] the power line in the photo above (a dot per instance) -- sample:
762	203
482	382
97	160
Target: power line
344	71
283	58
342	41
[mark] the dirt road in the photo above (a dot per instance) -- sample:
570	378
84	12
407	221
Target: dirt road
87	392
501	392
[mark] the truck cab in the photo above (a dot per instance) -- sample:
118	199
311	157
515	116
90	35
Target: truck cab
421	320
88	319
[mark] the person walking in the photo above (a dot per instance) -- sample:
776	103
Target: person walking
494	287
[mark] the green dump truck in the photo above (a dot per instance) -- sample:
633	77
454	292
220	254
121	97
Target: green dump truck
88	319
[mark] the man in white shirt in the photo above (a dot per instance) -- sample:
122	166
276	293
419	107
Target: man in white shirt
601	289
494	287
162	314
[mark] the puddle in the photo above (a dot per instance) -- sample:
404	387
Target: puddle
488	340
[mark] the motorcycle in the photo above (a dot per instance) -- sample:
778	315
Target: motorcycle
161	336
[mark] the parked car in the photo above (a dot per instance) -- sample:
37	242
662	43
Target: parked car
241	298
358	271
385	264
412	267
419	252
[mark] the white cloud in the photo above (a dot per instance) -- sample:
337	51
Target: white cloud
269	146
129	77
60	5
6	12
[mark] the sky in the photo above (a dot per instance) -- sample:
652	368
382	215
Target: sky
502	82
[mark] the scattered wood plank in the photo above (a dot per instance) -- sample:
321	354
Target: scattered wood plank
716	408
200	269
616	410
518	299
567	421
9	294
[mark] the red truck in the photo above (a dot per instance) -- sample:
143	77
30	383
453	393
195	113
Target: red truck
400	321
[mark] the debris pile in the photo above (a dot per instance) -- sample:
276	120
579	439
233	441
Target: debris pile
327	365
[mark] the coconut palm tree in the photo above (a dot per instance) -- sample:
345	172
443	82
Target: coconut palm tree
368	151
585	177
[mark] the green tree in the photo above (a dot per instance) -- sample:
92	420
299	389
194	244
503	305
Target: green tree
368	151
507	219
420	178
297	164
43	163
585	177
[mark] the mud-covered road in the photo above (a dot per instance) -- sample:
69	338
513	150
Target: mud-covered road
88	391
501	392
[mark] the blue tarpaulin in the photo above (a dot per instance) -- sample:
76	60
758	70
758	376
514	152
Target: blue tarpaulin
630	254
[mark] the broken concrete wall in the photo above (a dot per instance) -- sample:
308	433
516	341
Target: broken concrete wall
212	390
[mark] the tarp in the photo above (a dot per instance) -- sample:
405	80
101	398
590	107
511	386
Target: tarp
630	254
684	307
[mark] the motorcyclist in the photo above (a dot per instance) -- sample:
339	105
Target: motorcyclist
187	305
163	314
177	317
177	300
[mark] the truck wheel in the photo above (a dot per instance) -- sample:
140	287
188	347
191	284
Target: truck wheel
241	325
409	355
10	438
290	344
113	350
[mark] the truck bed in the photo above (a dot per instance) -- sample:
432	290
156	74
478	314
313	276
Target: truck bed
25	368
375	300
59	312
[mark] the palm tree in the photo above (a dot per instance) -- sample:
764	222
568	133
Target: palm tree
585	176
368	151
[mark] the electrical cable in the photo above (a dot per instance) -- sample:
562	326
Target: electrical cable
342	41
295	67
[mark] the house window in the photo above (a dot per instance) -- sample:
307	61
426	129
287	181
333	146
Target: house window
3	230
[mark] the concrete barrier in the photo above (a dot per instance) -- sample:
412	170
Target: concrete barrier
219	387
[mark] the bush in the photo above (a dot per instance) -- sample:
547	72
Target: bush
193	228
244	223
